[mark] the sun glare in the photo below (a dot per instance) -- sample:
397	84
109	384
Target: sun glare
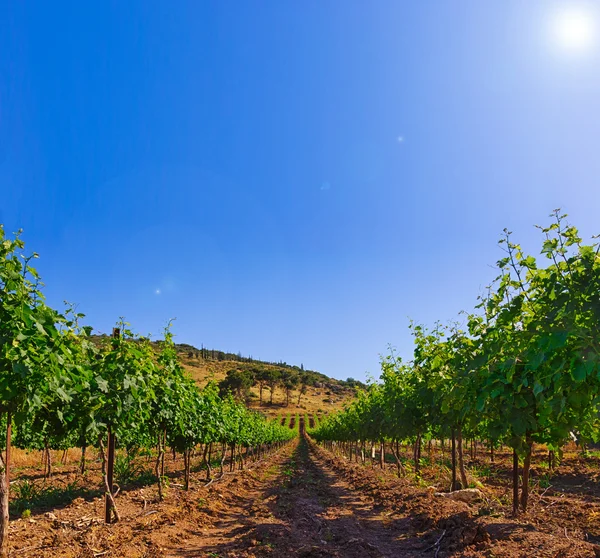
574	29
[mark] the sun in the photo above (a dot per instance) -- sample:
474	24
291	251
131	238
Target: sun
574	28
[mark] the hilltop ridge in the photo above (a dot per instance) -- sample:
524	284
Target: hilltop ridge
321	394
315	392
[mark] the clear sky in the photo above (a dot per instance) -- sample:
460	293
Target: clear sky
292	180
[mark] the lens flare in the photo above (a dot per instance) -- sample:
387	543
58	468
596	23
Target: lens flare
574	29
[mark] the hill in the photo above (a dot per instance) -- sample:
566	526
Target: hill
322	394
315	393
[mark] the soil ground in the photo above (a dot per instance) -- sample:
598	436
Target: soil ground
302	501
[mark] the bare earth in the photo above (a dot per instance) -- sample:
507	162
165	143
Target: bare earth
299	502
299	507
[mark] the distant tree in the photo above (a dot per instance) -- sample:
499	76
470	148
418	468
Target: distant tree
289	380
351	382
304	379
272	379
309	378
237	382
302	391
261	378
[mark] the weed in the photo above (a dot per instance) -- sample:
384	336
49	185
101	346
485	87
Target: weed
26	490
505	500
288	472
126	469
29	495
145	478
421	482
424	461
482	471
544	480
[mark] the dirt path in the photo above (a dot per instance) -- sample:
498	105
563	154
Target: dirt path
299	507
301	501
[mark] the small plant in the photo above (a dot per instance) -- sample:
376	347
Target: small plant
126	469
289	470
420	481
26	514
544	481
29	495
26	490
145	478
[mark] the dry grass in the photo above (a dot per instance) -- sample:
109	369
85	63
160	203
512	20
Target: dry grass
316	400
21	459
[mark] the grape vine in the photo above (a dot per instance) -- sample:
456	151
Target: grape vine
524	370
58	389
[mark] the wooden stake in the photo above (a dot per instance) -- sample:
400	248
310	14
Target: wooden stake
111	459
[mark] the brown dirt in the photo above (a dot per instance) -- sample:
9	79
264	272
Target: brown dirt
564	502
302	501
468	530
147	527
303	510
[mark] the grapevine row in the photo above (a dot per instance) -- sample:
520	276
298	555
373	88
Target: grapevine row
524	368
59	389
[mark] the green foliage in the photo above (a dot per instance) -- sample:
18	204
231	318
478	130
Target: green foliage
526	369
32	349
127	468
237	382
62	390
29	495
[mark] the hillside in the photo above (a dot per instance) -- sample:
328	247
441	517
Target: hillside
325	395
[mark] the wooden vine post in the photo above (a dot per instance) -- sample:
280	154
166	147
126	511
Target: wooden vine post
453	487
515	483
8	445
110	467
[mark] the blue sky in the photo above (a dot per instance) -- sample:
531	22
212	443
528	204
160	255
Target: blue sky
292	180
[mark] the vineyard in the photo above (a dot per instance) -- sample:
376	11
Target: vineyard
59	390
483	444
522	375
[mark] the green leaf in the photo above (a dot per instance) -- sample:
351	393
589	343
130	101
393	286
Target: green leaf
579	371
63	394
102	384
